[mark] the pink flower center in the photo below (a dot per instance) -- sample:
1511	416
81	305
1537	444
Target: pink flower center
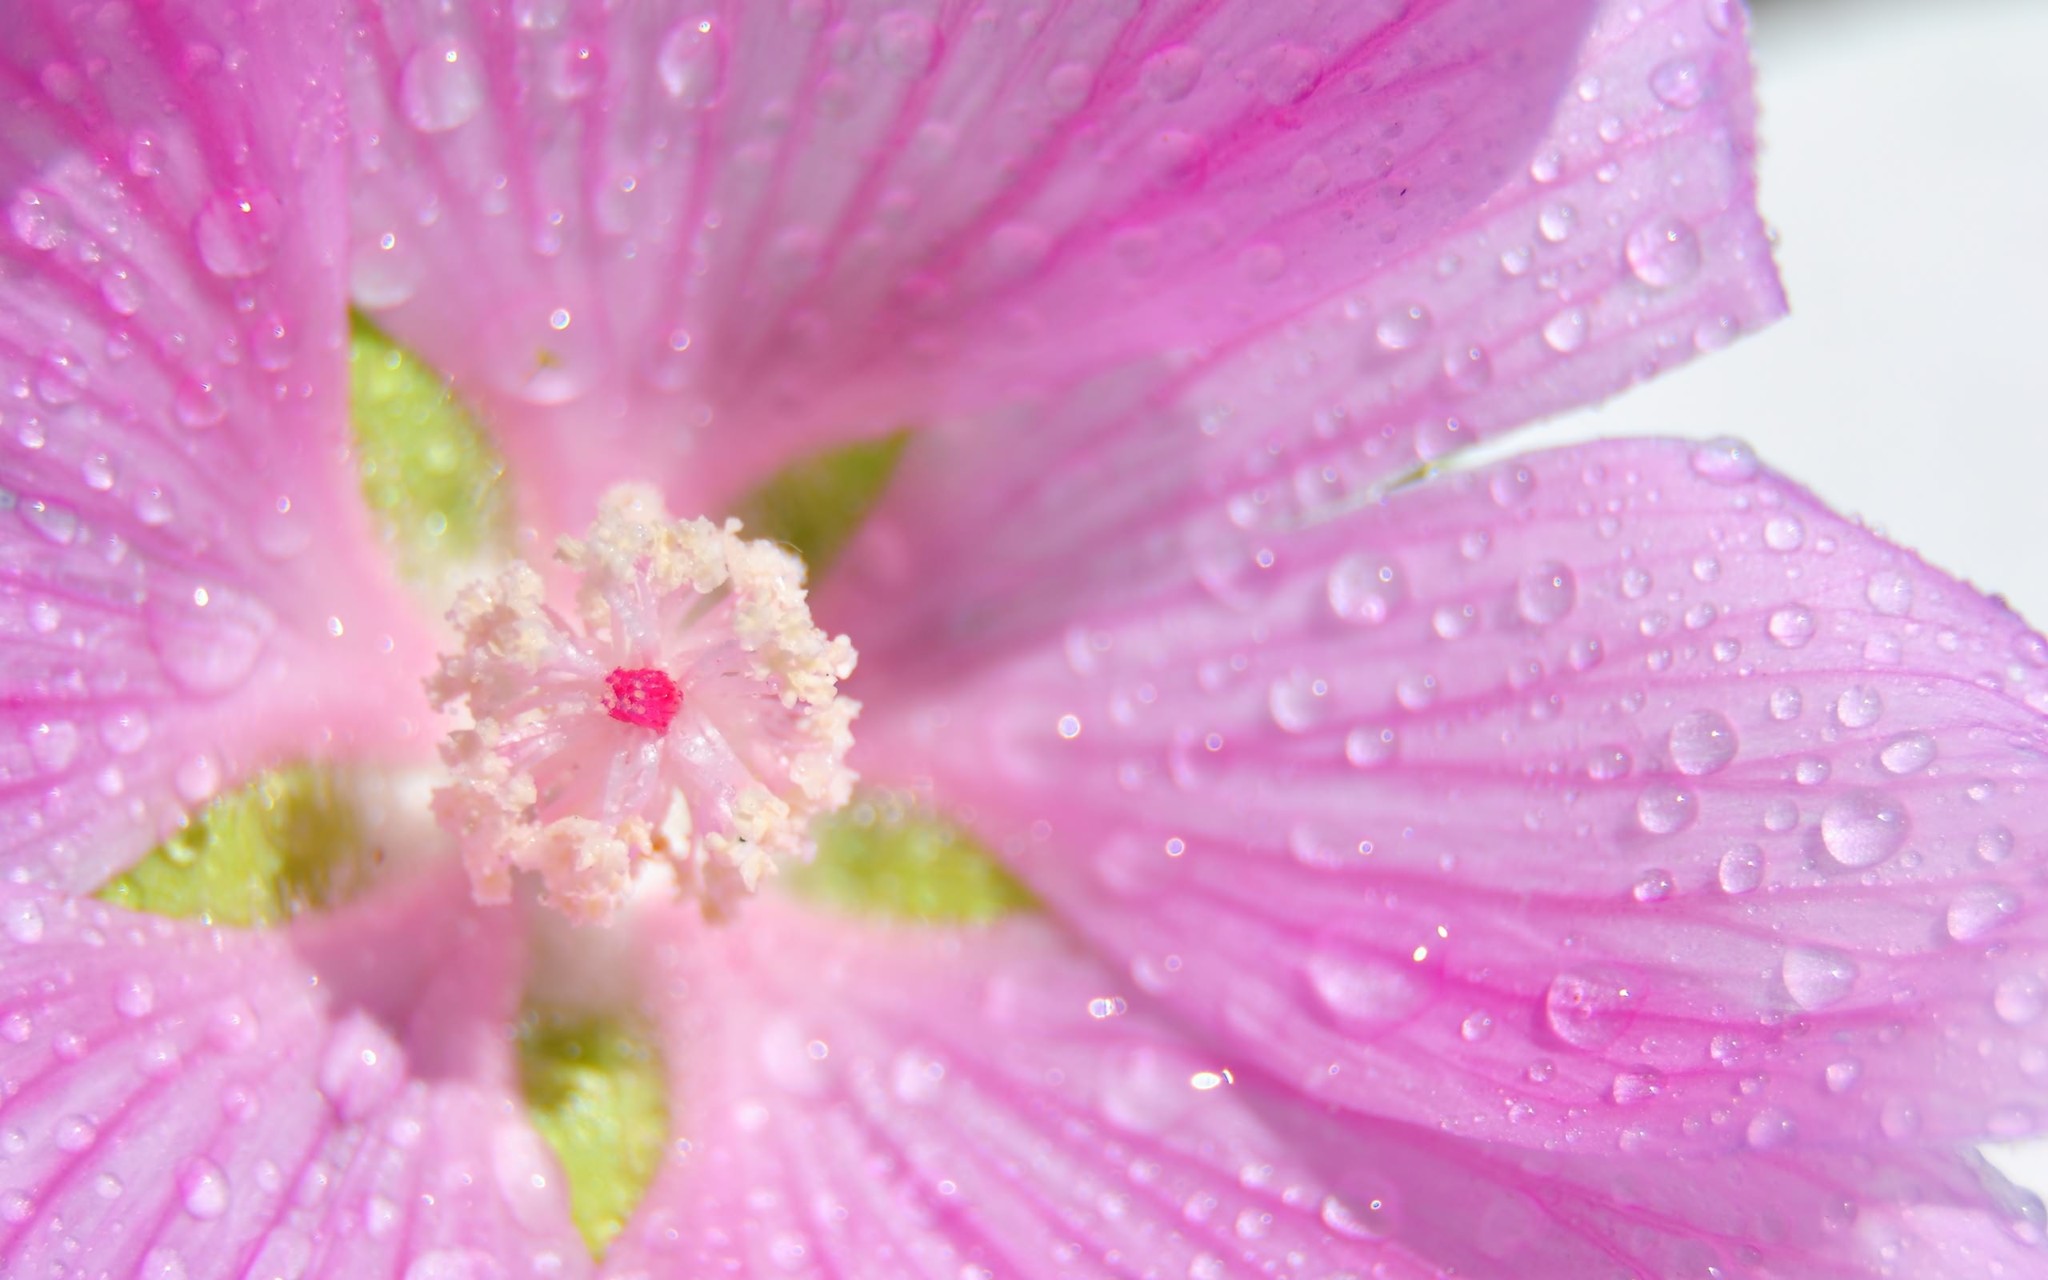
644	696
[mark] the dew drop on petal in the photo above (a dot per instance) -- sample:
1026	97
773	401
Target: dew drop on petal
1663	251
1665	807
237	231
1725	461
1816	978
1741	869
1907	753
1546	593
202	1188
441	87
1702	743
1587	1012
1862	828
1791	627
1678	84
1978	910
1364	590
2019	999
690	64
1859	707
1566	331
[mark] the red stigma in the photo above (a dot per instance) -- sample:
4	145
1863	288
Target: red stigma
644	696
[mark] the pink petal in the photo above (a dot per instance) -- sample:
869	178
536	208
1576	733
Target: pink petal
1622	795
331	1099
737	230
931	1103
182	534
1624	241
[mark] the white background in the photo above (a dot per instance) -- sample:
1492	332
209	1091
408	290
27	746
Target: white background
1905	168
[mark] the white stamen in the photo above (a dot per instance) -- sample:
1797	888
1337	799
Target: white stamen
694	717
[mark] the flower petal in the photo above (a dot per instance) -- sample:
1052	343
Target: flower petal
330	1099
1624	242
714	237
859	1102
190	588
1621	795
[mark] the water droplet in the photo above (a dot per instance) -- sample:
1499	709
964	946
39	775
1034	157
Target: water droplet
1663	251
1907	753
135	996
1170	74
1587	1012
1364	590
1979	909
1555	222
1863	828
906	41
1702	743
1678	84
1665	807
2019	999
1368	748
1889	593
1725	461
125	732
237	231
1468	368
203	1188
1402	328
1653	885
1362	991
1566	331
1791	626
1741	869
75	1133
198	404
210	647
691	64
455	1264
362	1067
1859	707
1816	977
1358	1222
1546	593
575	70
1994	844
1296	702
1784	533
442	86
22	921
1769	1128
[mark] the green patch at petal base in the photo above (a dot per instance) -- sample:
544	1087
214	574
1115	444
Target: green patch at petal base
428	471
816	504
596	1091
256	856
881	858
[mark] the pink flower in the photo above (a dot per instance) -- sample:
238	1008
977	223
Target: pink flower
1608	862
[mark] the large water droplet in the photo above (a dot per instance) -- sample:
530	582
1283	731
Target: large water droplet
1907	753
1678	84
208	641
442	86
1741	869
22	921
1889	593
362	1067
1791	626
1725	461
1862	828
2019	999
1665	807
1859	707
1566	331
691	64
1663	251
1979	909
1546	593
202	1188
1587	1012
237	231
1362	589
1816	977
1366	992
1702	743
